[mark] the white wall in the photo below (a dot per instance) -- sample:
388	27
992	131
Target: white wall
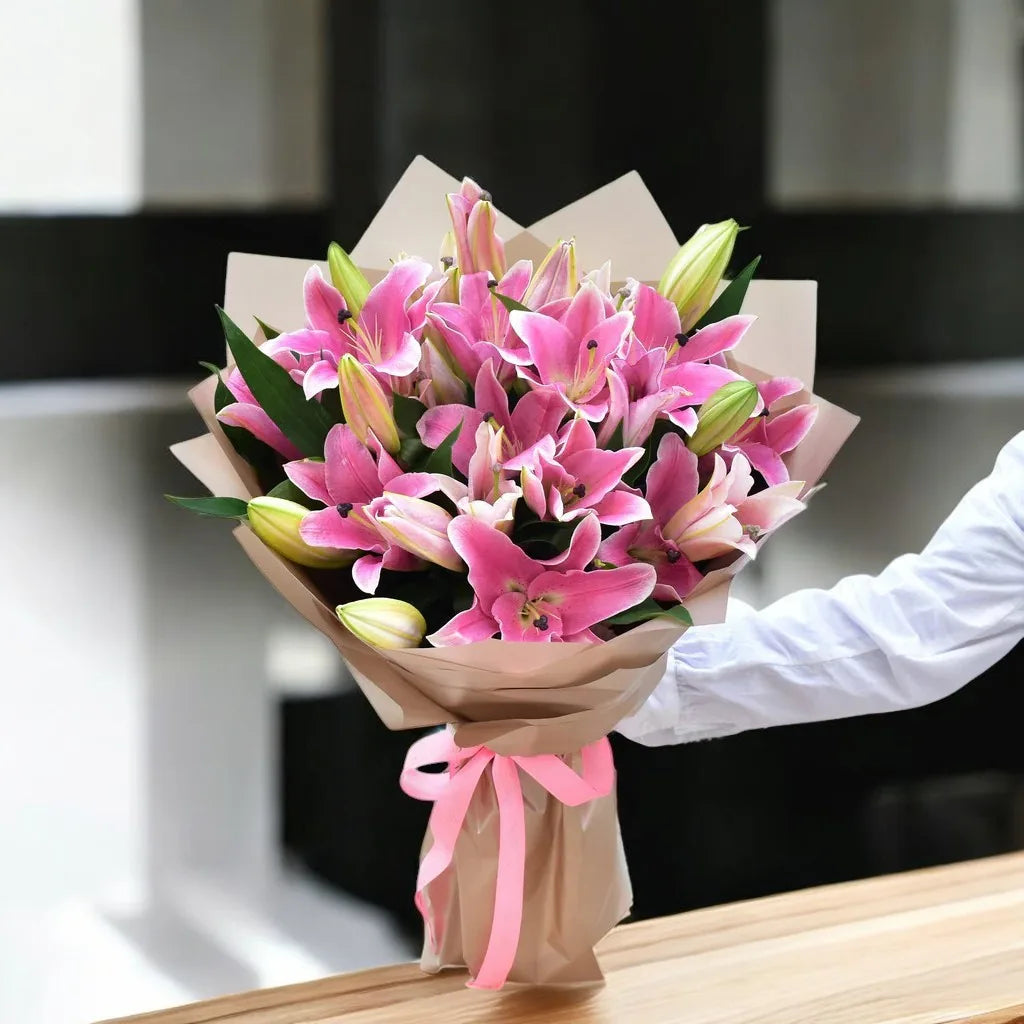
109	105
69	106
876	102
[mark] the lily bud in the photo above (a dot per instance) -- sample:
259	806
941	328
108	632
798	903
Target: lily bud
347	278
477	245
722	415
556	277
695	271
276	522
365	405
383	622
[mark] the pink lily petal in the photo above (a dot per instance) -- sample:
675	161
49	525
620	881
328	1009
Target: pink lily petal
306	342
413	485
383	317
532	457
319	377
767	462
490	396
495	563
740	480
685	419
322	300
418	538
516	280
769	509
351	472
424	513
789	428
585	312
656	319
583	545
600	471
310	477
779	387
436	424
366	573
535	417
518	623
676	580
715	338
235	383
328	528
618	403
551	346
584	598
260	425
701	380
403	360
616	549
621	507
715	534
672	480
533	492
467	627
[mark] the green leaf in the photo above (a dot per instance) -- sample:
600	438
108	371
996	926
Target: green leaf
555	535
287	490
220	508
440	459
305	423
509	303
730	301
268	332
412	454
616	442
407	414
650	609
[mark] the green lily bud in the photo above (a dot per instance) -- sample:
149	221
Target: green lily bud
365	405
383	622
276	522
722	415
347	278
695	271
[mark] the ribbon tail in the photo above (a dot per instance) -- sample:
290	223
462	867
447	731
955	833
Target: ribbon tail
507	921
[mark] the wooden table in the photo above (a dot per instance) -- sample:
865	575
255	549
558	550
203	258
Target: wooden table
934	946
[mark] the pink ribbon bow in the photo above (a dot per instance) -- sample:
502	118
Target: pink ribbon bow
451	792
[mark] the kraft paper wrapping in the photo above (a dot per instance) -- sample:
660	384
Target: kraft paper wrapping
543	698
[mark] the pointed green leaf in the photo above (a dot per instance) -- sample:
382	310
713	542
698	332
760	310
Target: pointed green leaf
440	459
268	332
730	302
220	508
509	303
407	414
650	609
616	442
304	422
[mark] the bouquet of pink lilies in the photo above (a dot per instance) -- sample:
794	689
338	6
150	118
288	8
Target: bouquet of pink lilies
492	452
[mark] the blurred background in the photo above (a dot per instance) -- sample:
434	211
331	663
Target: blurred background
194	799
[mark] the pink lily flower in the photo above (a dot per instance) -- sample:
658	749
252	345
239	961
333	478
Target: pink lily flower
382	337
535	417
691	363
691	524
572	355
476	328
489	495
579	478
765	440
417	526
556	279
477	245
637	397
352	482
520	598
247	413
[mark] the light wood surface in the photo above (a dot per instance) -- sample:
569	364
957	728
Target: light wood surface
944	945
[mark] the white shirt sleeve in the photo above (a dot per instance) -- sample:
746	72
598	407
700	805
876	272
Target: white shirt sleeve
923	628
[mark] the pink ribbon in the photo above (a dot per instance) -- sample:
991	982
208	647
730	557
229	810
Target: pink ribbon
451	792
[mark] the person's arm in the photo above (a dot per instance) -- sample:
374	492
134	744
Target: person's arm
923	628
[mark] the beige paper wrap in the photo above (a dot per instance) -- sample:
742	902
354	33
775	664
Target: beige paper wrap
519	699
